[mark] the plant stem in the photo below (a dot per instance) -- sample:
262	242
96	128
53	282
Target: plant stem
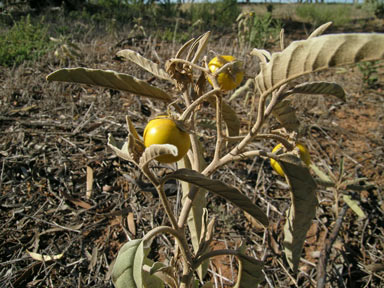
213	253
163	198
219	128
198	101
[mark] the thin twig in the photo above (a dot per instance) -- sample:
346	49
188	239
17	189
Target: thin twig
324	255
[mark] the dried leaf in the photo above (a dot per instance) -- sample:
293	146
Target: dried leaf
318	53
286	115
120	148
109	79
263	55
144	63
303	207
44	258
223	190
156	150
326	88
202	41
320	30
131	223
89	182
183	48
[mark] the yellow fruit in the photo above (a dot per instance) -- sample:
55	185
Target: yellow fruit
304	156
230	78
163	130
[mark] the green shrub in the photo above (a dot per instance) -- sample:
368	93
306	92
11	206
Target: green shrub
258	31
318	14
24	41
221	14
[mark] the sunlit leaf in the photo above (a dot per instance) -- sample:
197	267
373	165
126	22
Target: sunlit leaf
120	148
198	47
144	63
318	53
354	205
109	79
320	30
122	273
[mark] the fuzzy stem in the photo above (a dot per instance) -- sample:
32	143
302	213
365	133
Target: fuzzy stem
163	198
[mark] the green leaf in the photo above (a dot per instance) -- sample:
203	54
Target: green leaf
122	273
109	79
354	205
223	190
303	207
144	278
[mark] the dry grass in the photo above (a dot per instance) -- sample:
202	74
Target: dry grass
51	132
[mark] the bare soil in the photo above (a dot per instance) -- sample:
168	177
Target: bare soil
53	142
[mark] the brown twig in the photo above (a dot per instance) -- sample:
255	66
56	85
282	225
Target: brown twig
324	255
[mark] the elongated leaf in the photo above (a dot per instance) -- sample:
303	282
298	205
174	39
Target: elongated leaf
183	48
144	63
122	273
109	79
250	272
327	88
320	30
156	150
286	115
302	210
202	43
219	188
354	205
318	53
